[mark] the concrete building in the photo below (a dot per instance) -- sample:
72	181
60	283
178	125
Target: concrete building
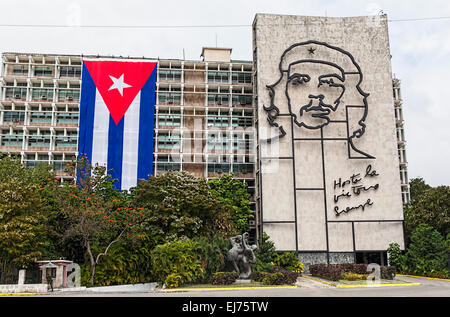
328	164
210	113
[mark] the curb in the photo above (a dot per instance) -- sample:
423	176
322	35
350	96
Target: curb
361	285
225	288
21	294
425	277
377	285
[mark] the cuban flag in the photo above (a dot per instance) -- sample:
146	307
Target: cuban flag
117	118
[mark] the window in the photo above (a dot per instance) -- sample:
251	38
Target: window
218	120
168	142
167	164
218	168
67	117
243	100
39	140
172	75
68	94
242	168
217	142
218	99
42	94
43	71
66	141
169	119
70	71
16	93
12	140
167	167
14	116
41	117
242	121
241	78
21	70
221	77
169	98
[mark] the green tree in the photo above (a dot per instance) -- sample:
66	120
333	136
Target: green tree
233	193
23	214
182	207
96	212
417	187
431	207
427	252
396	258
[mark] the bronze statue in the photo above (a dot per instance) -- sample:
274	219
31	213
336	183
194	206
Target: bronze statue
241	255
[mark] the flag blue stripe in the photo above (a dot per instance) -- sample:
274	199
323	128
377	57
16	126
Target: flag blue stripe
87	110
146	127
115	151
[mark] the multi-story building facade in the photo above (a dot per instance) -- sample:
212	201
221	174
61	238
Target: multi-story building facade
204	114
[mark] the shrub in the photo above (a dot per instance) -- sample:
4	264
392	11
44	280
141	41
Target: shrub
289	261
353	276
223	278
173	280
178	257
330	272
212	253
276	278
289	277
388	272
259	276
335	272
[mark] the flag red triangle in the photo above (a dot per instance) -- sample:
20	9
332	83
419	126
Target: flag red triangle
131	77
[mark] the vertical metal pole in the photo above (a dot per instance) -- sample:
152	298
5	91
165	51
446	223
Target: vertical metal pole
325	195
295	186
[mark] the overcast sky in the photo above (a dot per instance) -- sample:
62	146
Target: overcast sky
420	49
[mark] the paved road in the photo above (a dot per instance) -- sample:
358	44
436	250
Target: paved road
428	288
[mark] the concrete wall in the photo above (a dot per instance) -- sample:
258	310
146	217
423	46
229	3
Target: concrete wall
308	218
24	288
212	54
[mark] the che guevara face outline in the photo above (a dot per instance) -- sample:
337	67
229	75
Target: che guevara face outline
313	98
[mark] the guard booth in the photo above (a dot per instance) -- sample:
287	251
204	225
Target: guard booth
56	270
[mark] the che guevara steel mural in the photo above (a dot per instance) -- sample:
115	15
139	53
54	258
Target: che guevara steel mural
311	91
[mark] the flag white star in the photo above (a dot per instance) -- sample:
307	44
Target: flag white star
119	84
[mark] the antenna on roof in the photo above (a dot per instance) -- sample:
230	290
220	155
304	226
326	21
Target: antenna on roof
184	58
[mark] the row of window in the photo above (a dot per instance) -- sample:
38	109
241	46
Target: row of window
43	94
213	99
41	141
47	71
164	74
214	142
212	168
163	119
41	117
218	77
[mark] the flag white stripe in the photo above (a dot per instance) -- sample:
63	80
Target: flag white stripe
100	135
130	144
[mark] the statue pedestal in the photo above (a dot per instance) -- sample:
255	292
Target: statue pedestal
242	281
